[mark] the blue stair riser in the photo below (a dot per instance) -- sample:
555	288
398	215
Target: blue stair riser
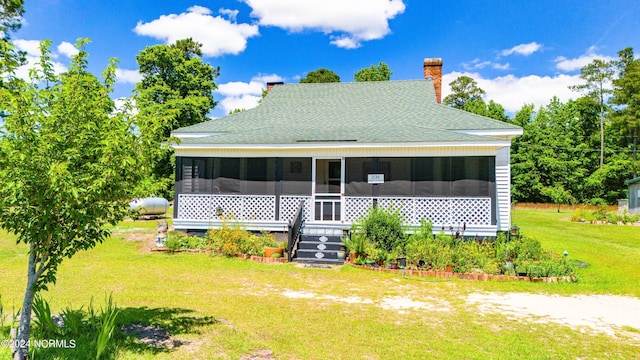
309	245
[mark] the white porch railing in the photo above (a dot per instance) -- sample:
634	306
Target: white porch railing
442	211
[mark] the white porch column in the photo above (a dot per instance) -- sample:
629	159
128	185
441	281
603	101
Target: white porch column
503	189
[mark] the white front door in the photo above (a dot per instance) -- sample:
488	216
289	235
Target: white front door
328	182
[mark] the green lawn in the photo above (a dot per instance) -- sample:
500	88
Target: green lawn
226	308
612	251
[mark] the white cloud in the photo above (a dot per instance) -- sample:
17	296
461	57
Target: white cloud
476	64
231	14
350	22
128	76
522	49
497	66
564	64
218	36
67	49
513	92
31	47
242	95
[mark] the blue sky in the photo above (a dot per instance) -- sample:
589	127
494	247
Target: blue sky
519	51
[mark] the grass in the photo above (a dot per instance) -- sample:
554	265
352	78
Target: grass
226	308
612	251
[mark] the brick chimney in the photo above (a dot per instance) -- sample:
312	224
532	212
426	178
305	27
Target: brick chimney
433	70
270	85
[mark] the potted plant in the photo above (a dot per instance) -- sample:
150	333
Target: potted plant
357	244
398	256
271	247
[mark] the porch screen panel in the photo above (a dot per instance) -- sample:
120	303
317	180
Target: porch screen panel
432	176
397	176
260	176
296	176
472	176
227	176
356	171
195	176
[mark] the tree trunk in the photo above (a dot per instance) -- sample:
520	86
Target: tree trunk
601	140
635	147
24	328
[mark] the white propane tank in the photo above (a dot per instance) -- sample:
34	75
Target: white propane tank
150	206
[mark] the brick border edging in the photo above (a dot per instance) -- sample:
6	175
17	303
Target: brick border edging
466	276
261	259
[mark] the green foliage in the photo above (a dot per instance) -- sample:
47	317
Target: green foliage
321	75
558	195
10	15
601	214
176	90
44	327
382	227
381	72
69	161
178	240
356	243
107	325
73	321
233	240
465	90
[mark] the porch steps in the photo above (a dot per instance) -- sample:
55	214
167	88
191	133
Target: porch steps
319	249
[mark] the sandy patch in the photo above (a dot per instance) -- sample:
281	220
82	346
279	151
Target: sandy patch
397	303
604	313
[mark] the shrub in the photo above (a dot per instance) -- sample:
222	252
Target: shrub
178	240
233	240
383	227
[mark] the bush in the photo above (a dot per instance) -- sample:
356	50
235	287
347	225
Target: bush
383	227
178	240
233	240
601	214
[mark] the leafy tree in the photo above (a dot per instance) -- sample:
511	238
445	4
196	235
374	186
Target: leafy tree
321	75
237	110
524	115
463	89
496	111
558	195
598	75
176	88
10	14
548	153
627	94
381	72
68	164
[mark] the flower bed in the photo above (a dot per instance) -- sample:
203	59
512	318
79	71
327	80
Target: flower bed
467	276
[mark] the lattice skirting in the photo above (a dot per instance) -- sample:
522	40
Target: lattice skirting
240	207
289	206
445	211
203	207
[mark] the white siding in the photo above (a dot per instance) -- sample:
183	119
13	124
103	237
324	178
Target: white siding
503	189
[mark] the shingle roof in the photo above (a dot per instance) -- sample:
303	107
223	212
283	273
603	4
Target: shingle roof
370	112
